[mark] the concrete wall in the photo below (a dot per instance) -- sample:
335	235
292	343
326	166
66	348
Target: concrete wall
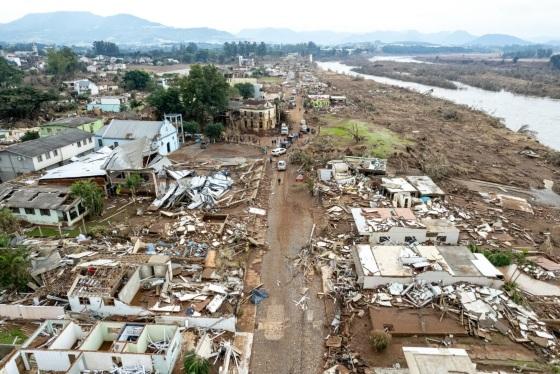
52	360
12	165
397	235
371	282
68	337
131	287
97	306
30	312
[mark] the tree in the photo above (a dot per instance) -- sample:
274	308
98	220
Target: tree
14	268
191	127
8	222
101	47
355	132
204	92
194	364
214	130
29	135
555	61
166	101
246	90
133	181
22	102
9	76
91	195
261	49
62	63
137	80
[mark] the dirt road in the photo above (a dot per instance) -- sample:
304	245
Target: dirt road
287	338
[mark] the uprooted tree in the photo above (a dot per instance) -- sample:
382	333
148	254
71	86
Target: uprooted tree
195	364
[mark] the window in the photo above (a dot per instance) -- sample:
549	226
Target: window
40	158
431	234
84	301
14	210
441	238
48	155
100	142
409	239
79	144
29	211
45	212
90	140
116	144
383	239
55	152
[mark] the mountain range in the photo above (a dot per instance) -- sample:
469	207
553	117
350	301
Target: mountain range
82	28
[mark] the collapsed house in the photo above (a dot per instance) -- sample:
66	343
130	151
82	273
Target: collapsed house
401	191
107	287
400	225
42	205
381	265
116	347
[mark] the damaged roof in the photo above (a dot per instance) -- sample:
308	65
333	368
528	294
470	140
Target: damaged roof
38	197
130	129
39	146
425	185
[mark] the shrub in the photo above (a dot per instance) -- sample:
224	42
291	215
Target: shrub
437	167
380	340
8	222
195	364
498	258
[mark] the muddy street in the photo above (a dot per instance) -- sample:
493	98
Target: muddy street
288	339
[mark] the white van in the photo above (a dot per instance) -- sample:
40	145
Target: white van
284	130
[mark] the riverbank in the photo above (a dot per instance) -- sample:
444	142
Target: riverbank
515	111
534	78
455	140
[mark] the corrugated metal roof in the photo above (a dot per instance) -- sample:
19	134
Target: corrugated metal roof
39	146
128	129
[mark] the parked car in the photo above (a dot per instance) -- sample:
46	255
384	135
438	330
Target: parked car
278	151
281	165
284	130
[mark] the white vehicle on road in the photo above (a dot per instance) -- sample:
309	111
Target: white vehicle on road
284	130
281	165
278	151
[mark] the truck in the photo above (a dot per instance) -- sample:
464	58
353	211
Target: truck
284	130
303	126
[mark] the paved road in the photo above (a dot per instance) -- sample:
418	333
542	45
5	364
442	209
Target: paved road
288	339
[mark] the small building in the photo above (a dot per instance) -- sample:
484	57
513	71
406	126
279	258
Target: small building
391	226
42	205
162	135
71	347
428	360
256	115
43	153
399	191
82	87
381	265
107	104
425	186
108	288
56	126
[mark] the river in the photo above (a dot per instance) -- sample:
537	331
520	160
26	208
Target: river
541	114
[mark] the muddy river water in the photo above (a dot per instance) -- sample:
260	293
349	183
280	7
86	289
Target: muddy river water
540	114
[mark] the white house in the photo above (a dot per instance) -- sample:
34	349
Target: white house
42	205
106	347
112	295
162	135
43	153
83	86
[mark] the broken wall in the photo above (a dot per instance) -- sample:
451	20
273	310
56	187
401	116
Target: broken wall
31	312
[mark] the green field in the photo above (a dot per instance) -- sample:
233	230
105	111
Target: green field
271	80
382	142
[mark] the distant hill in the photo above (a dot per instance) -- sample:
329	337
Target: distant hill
82	28
498	40
283	35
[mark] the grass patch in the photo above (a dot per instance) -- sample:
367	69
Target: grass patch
271	80
382	142
8	336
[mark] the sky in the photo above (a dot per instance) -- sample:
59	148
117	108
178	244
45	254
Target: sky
523	18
